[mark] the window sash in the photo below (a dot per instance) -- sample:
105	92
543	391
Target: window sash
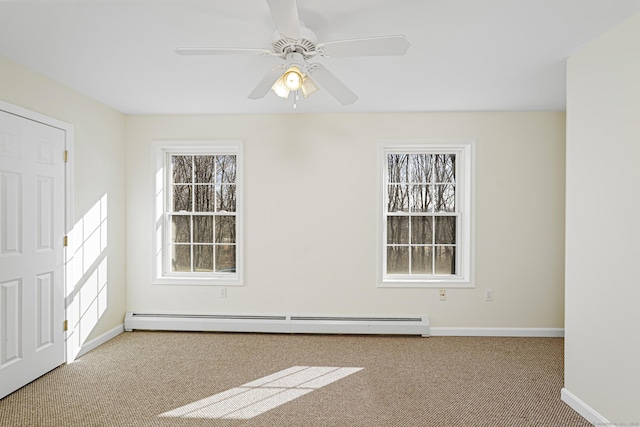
415	254
193	183
192	243
432	244
222	251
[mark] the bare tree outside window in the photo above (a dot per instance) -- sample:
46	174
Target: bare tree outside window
421	214
202	214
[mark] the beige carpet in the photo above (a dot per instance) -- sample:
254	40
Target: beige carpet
405	381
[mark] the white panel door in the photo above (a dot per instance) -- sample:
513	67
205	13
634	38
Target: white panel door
32	210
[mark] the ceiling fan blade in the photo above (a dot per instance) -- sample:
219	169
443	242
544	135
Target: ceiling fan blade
221	51
371	46
285	15
267	81
331	84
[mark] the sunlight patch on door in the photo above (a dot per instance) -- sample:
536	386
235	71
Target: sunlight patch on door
266	393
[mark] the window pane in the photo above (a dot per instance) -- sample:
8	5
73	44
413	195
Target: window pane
182	198
225	229
226	258
199	203
204	168
421	260
226	169
182	168
226	198
203	229
398	167
397	260
421	199
203	258
398	198
180	229
446	260
181	258
444	168
423	187
445	230
420	167
422	230
397	230
444	198
204	198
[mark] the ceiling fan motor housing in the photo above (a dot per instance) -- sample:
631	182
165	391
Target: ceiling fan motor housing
305	45
296	59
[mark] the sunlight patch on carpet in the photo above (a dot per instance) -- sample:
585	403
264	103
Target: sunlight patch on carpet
263	394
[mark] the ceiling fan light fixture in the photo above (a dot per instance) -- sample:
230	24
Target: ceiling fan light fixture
308	86
280	88
293	78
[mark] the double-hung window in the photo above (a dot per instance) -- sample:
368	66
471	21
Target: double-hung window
426	236
198	218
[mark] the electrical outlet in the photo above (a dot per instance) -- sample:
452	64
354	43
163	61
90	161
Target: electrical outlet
488	295
443	294
223	292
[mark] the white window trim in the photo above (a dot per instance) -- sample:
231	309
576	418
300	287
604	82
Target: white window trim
160	181
465	148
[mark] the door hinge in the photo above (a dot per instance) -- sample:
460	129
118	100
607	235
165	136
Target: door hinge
66	156
65	325
65	241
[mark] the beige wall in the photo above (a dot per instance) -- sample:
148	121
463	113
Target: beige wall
602	344
98	160
311	213
314	250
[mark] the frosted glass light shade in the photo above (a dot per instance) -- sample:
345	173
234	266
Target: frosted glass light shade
308	86
280	88
292	78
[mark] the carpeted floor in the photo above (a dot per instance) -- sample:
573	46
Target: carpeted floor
405	381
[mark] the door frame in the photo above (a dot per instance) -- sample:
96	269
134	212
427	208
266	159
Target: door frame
68	130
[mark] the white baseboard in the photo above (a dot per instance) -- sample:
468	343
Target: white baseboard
497	332
586	411
99	340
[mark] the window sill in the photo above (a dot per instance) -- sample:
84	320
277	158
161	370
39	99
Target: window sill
198	281
440	282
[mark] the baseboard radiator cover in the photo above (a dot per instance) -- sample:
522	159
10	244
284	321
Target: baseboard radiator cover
278	324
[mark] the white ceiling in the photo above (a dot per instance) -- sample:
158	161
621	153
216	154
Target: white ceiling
465	55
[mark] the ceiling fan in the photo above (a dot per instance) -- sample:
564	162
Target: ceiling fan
295	43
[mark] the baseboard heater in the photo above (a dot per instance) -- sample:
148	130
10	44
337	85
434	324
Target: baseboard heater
278	324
